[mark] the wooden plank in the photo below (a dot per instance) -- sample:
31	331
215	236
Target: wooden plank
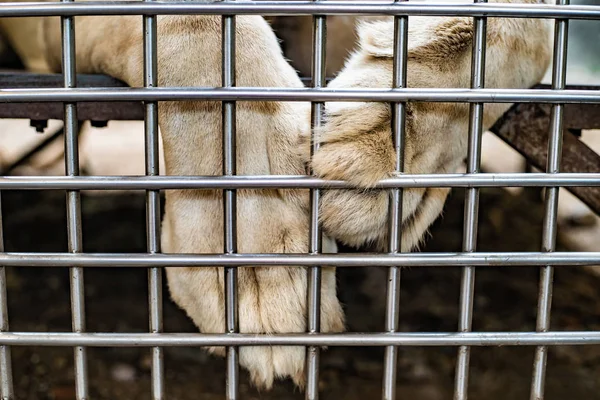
123	111
579	116
95	111
23	80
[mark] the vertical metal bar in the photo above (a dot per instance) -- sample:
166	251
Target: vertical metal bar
555	141
471	211
230	203
318	67
6	381
74	203
395	207
153	202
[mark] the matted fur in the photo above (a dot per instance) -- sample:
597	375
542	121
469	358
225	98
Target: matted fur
272	139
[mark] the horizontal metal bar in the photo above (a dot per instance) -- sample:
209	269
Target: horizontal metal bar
295	181
581	116
301	94
512	259
303	339
299	8
24	79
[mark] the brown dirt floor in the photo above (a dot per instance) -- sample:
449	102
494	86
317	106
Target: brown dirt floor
505	300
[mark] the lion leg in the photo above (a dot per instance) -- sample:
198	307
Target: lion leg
271	299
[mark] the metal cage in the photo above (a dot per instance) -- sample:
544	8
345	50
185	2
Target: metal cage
558	96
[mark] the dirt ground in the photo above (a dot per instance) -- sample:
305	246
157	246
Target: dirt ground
116	302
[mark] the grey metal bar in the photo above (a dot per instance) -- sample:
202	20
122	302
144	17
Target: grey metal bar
471	210
395	206
570	338
549	96
74	203
555	141
6	381
109	260
299	8
230	204
295	181
319	40
155	297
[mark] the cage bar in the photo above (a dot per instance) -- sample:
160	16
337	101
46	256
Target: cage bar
586	179
153	202
290	7
6	380
313	302
117	260
471	211
395	206
74	204
230	203
541	96
486	339
555	140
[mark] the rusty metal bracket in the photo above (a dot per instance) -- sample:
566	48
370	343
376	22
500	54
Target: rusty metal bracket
525	128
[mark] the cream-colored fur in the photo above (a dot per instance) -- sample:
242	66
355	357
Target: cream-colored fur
271	300
357	139
356	146
24	36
